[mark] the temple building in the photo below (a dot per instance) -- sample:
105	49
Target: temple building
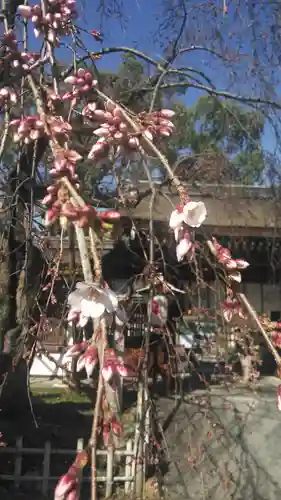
246	219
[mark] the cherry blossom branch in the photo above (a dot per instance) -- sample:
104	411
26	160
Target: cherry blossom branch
252	313
217	93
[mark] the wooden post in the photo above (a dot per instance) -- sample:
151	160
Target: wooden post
139	443
18	462
109	472
80	447
46	468
128	467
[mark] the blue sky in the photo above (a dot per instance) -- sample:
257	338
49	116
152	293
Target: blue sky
140	24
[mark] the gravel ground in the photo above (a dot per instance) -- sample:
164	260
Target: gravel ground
224	445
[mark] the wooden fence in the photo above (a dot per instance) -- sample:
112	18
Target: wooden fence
45	478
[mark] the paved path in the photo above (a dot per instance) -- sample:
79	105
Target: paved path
225	445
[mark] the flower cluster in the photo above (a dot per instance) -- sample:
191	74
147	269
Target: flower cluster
31	128
114	365
82	82
115	136
192	214
28	129
90	301
23	61
232	266
56	21
7	97
87	357
231	307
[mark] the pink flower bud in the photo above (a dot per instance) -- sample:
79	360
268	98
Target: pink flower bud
123	127
52	189
88	77
68	96
15	123
99	114
133	142
165	132
102	132
81	73
166	123
167	113
47	199
79	348
85	88
117	112
109	214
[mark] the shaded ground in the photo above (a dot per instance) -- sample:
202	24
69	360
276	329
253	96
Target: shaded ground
224	445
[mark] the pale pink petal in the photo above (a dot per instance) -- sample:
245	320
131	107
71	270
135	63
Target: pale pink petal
164	131
242	264
76	349
66	483
176	220
178	232
102	132
231	264
92	309
235	276
167	113
107	372
90	367
81	363
73	495
166	124
125	371
72	80
83	320
194	213
227	314
183	248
